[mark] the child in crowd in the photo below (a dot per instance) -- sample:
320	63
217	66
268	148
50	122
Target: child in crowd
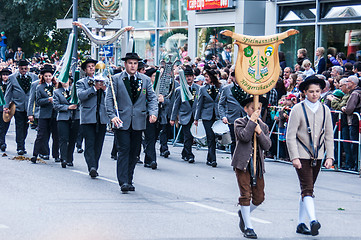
307	66
250	180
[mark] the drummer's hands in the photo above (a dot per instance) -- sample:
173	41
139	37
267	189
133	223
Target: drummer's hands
196	122
6	110
171	122
160	98
255	115
31	118
50	99
116	121
225	120
152	119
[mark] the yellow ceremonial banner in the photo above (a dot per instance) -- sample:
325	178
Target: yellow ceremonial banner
257	67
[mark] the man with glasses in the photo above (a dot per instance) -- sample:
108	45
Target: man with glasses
18	91
353	105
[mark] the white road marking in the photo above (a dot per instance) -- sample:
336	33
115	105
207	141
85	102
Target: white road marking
2	226
226	212
102	178
191	203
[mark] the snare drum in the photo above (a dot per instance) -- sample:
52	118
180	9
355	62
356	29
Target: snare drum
199	131
221	130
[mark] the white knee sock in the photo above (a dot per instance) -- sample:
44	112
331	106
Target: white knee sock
246	215
253	207
310	207
301	212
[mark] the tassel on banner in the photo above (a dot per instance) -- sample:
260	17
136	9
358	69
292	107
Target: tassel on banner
186	95
74	95
2	99
67	60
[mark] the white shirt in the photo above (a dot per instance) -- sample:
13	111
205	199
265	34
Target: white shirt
312	106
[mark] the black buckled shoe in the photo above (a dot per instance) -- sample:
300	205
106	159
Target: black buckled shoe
57	159
214	164
165	154
209	163
315	225
33	159
249	233
93	173
63	164
303	229
191	160
125	188
131	187
70	164
20	152
3	147
241	222
45	157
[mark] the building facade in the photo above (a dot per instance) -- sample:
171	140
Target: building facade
322	23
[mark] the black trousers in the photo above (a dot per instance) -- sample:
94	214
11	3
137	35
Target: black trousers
188	140
94	139
4	127
79	139
21	128
114	149
211	140
128	145
47	126
68	132
152	131
233	138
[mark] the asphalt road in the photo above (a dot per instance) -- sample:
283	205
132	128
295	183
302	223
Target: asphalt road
176	201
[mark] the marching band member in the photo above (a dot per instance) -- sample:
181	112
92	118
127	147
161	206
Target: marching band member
4	126
185	110
133	93
230	106
17	91
207	110
68	122
93	117
309	136
47	115
33	107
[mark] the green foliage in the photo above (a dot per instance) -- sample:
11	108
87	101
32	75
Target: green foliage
264	61
31	24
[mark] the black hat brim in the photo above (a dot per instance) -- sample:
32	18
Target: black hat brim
262	100
312	80
134	58
83	65
150	72
23	62
5	71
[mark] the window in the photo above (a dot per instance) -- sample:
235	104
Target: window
144	45
299	13
142	13
173	13
173	43
338	11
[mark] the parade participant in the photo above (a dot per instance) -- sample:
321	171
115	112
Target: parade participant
47	115
185	112
17	91
93	117
33	107
207	110
309	136
68	122
4	126
250	183
134	96
230	107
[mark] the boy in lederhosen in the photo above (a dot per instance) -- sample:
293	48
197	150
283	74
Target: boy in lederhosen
309	136
250	180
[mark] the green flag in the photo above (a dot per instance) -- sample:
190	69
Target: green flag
67	59
74	95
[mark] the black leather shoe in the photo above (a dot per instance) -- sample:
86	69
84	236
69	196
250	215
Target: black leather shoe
315	225
191	160
63	164
131	187
125	188
249	233
165	154
33	159
70	164
139	161
80	150
3	147
45	157
241	222
209	163
20	152
114	157
214	164
57	160
184	158
93	173
152	165
303	229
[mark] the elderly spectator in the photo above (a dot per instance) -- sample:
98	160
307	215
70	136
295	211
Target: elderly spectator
286	77
320	62
353	105
336	71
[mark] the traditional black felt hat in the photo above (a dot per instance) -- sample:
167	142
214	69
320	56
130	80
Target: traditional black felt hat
89	60
5	71
312	80
23	62
47	68
141	65
149	72
188	70
131	55
262	100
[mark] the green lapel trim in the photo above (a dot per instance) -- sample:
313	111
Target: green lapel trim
127	86
139	89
